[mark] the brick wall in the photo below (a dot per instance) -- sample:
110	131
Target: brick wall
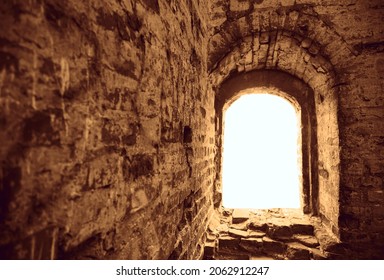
105	146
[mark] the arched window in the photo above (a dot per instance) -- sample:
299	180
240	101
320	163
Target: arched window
302	98
261	153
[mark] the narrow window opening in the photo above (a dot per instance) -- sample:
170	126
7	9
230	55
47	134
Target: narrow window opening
261	153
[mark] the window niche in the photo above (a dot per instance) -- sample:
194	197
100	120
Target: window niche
261	153
301	97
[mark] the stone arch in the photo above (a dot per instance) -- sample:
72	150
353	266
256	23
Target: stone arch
257	60
300	22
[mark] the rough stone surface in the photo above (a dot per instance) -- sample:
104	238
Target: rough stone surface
106	133
240	215
275	240
237	233
307	240
228	243
280	232
256	233
302	229
111	124
252	244
336	49
273	247
297	251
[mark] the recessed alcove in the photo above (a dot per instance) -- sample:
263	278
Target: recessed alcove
291	90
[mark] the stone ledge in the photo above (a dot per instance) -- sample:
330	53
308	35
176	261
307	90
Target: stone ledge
273	236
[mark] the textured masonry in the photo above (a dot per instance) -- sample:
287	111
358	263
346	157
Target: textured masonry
106	122
110	130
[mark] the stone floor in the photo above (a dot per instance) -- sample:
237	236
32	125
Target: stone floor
273	234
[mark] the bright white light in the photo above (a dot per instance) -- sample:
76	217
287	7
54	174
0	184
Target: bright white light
260	166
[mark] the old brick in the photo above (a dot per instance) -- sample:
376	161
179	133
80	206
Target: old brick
209	249
237	233
8	61
375	195
271	246
258	225
302	229
297	251
240	215
317	254
252	244
241	226
307	240
11	184
238	5
43	128
222	228
280	232
141	165
256	233
228	243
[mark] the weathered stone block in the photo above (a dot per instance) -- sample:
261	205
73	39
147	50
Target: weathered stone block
252	244
297	251
139	165
258	225
228	243
317	254
271	246
239	5
240	215
375	196
256	233
279	232
209	249
139	200
305	229
237	232
241	226
307	240
43	128
222	228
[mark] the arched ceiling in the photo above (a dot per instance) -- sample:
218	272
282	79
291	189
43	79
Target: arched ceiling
309	23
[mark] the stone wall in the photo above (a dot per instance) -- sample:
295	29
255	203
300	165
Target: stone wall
335	47
107	117
106	129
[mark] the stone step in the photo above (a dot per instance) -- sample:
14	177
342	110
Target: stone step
307	229
307	240
243	235
228	243
228	246
238	233
240	215
273	247
317	254
252	244
279	232
209	249
297	251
